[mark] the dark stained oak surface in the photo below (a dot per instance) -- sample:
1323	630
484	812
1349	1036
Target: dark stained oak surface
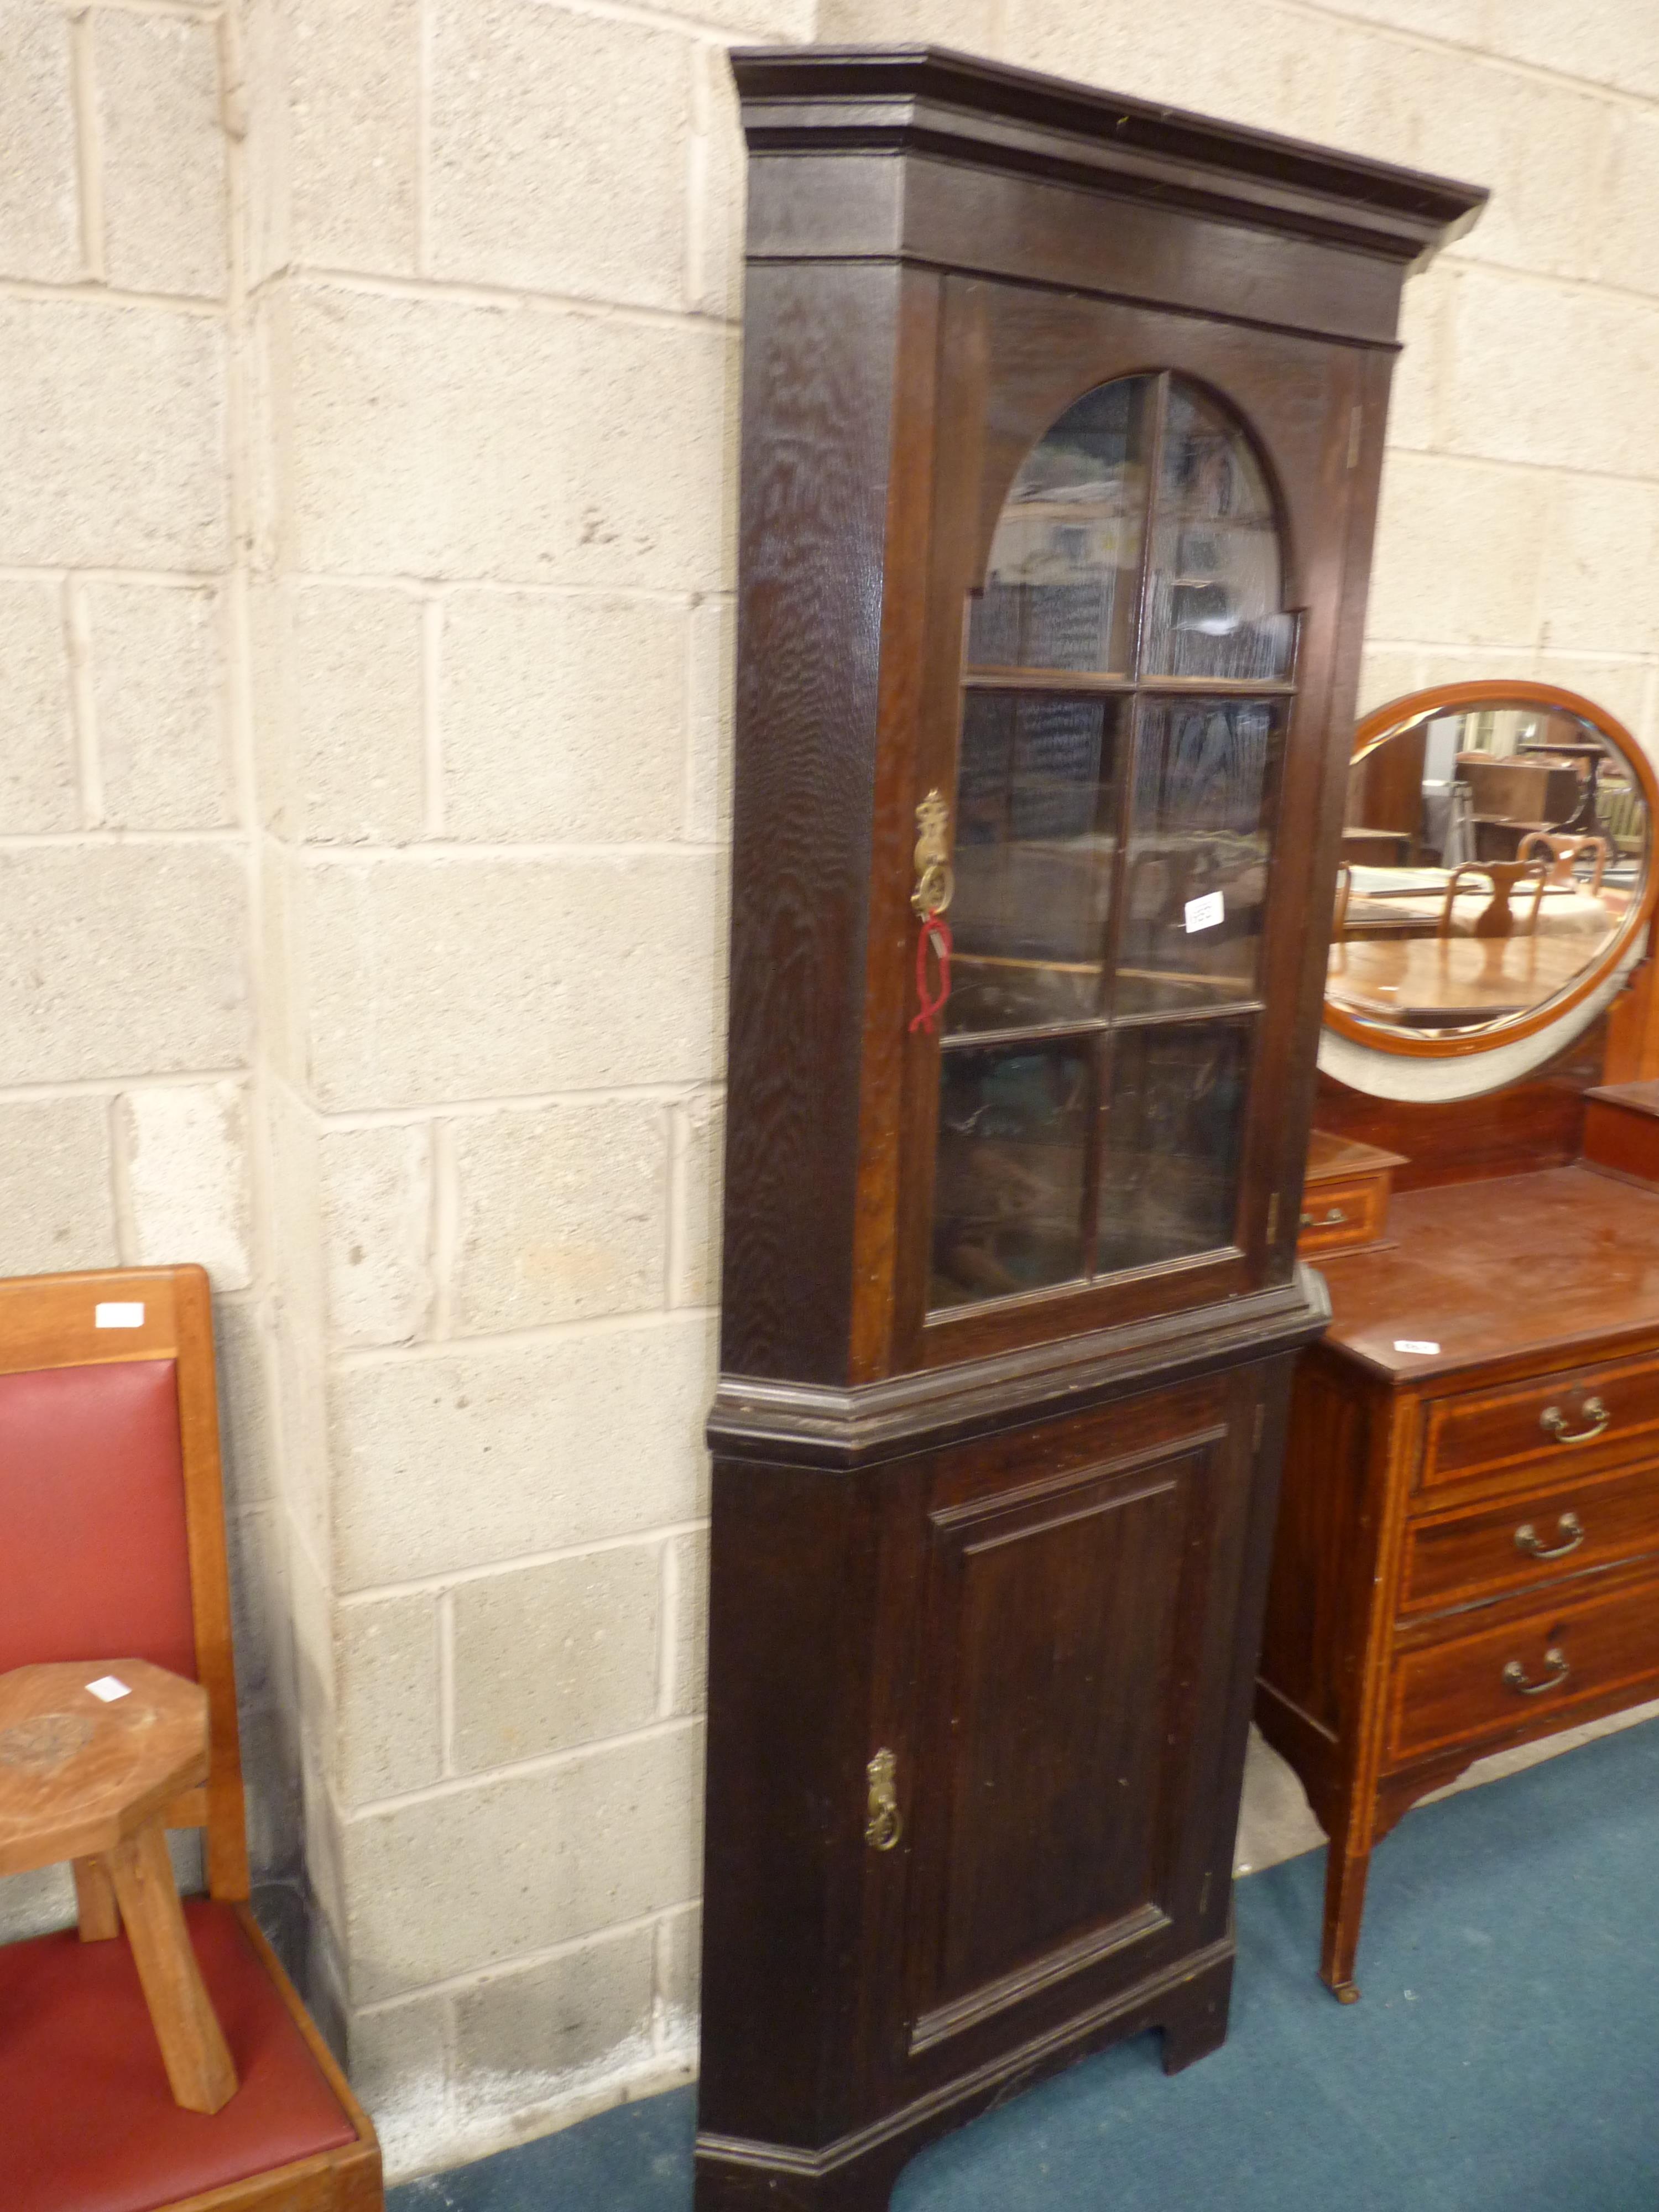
1490	1269
987	1580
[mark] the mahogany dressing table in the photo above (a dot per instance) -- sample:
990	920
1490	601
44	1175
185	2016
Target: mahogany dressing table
1468	1550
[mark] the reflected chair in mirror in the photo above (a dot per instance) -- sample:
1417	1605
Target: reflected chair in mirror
1565	854
1497	918
112	1550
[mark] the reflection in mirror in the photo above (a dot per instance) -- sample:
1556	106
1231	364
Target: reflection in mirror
1492	858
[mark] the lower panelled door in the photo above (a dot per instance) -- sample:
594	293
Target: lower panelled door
1076	1656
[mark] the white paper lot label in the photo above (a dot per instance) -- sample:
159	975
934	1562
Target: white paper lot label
118	1316
1415	1344
109	1687
1205	912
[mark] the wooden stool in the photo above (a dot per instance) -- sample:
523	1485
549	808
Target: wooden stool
89	1780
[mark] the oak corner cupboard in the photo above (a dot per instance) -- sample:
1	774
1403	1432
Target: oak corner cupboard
1062	423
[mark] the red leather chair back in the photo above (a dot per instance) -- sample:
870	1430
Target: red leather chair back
95	1557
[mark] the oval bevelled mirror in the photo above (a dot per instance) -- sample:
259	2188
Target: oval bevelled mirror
1496	867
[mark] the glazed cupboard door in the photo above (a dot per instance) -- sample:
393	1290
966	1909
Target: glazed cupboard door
1124	663
1073	1710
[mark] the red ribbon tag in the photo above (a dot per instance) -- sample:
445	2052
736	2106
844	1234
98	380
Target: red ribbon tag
930	999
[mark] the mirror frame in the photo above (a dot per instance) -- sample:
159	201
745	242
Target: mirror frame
1403	714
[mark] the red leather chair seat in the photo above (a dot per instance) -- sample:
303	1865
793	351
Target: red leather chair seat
86	2121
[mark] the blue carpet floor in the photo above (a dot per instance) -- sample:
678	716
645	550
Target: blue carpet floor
1504	2056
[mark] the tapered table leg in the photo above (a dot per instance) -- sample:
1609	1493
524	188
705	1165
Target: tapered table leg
1345	1905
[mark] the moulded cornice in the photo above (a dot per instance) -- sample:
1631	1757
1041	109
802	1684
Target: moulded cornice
961	108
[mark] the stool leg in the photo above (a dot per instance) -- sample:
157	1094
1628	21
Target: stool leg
199	2067
95	1901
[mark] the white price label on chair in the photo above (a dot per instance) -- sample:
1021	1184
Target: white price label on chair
114	1314
1205	912
109	1687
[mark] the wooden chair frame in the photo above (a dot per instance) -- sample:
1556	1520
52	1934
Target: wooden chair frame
1563	854
1496	918
49	1322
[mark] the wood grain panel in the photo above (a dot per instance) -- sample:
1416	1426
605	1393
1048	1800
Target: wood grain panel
1339	1216
1319	1545
1493	1549
1621	1130
1054	1778
818	365
1483	1433
1456	1691
1526	1126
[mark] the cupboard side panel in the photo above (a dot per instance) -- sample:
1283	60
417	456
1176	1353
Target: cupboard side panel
1318	1550
794	1585
819	353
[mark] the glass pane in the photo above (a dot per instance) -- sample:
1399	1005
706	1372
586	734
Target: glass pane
1035	811
1062	581
1213	608
1169	1181
1013	1123
1200	830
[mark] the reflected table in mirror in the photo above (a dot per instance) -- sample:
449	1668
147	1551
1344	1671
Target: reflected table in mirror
1514	814
1442	983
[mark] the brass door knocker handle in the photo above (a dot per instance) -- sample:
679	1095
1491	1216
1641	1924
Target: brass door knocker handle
1527	1539
883	1825
1555	1421
1516	1673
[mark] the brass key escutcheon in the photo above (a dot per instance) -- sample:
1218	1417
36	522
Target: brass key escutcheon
882	1825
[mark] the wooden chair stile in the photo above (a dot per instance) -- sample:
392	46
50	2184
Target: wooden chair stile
113	1546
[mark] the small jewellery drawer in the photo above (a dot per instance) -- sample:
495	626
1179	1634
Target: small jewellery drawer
1533	1536
1578	1412
1337	1214
1507	1678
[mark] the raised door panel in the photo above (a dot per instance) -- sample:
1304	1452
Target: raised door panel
1066	1627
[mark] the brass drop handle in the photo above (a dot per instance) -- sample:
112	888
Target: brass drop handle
1526	1541
1554	1420
883	1825
1332	1220
1516	1673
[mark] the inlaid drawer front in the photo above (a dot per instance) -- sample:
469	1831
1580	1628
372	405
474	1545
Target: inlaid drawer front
1519	1674
1534	1536
1583	1410
1337	1214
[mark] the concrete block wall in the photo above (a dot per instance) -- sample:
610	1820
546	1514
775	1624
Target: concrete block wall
129	1005
494	252
367	464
